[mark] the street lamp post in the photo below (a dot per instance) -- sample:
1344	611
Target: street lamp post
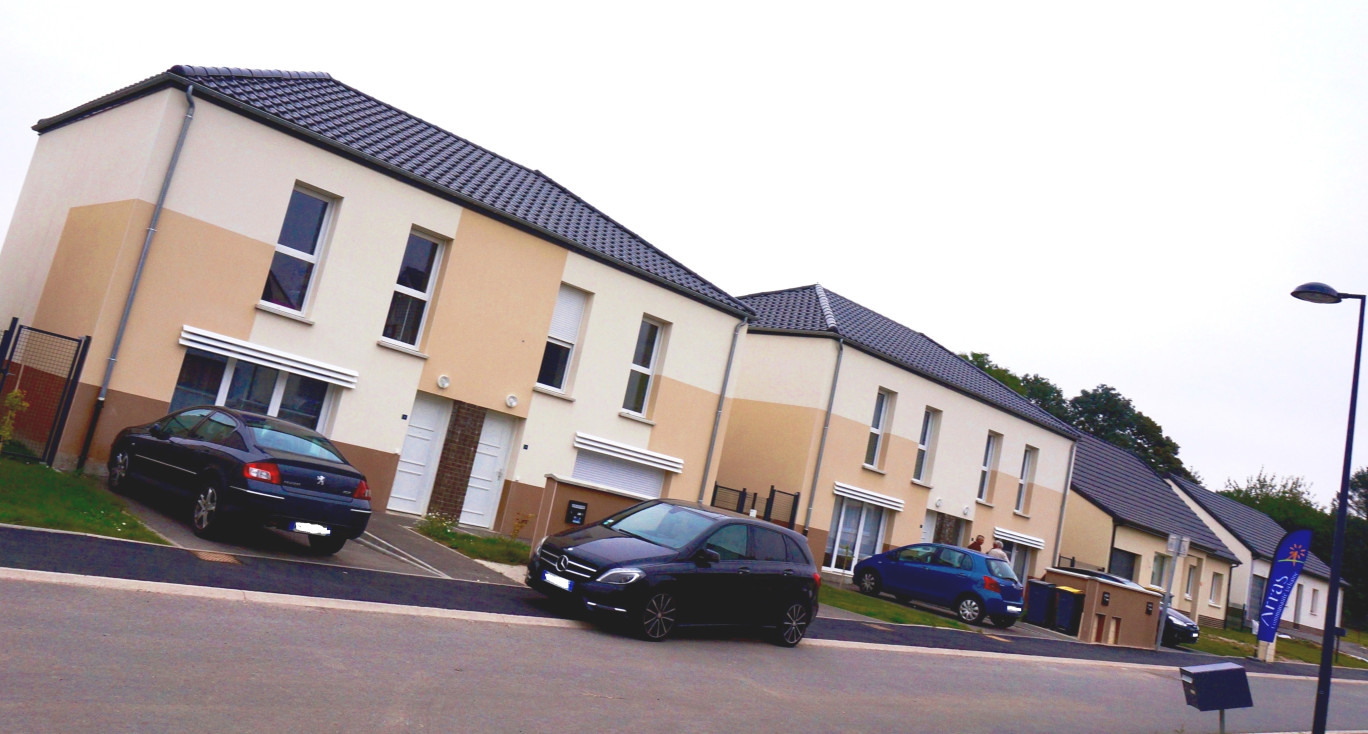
1322	293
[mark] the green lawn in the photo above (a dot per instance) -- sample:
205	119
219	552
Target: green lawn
1244	644
36	496
496	549
884	609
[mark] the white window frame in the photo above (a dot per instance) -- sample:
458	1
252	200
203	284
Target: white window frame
843	503
1028	466
439	247
649	370
1160	568
1315	598
930	421
316	257
878	426
1190	583
568	297
277	391
1217	579
990	451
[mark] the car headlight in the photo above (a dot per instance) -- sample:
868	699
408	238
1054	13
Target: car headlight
620	576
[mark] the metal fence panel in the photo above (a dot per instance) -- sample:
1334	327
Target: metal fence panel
44	366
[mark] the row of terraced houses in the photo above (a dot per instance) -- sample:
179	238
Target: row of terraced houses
485	344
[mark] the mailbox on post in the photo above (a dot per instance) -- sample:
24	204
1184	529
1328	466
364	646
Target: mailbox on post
1214	687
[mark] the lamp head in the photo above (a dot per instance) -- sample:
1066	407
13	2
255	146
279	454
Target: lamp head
1317	293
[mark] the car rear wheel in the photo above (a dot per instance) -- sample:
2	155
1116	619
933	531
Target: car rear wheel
793	624
658	616
869	582
969	609
326	545
118	472
206	519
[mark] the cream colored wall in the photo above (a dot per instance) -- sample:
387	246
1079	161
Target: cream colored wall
956	454
688	377
1087	533
1147	545
1239	575
119	155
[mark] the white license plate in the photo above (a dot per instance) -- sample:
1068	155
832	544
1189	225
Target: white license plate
311	528
557	581
1013	610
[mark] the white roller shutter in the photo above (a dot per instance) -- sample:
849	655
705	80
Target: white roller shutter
610	471
565	320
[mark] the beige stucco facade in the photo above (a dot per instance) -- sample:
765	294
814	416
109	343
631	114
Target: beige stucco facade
1090	534
1306	605
775	434
70	254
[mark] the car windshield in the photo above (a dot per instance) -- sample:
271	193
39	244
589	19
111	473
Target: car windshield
1001	569
281	437
663	524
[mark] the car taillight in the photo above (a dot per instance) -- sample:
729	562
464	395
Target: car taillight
818	578
991	584
362	491
262	471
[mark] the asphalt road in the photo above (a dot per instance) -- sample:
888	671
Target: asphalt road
24	548
75	659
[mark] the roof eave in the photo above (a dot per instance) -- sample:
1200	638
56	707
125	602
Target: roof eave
166	79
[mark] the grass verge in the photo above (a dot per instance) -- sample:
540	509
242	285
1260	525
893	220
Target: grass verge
496	549
1244	644
36	496
883	609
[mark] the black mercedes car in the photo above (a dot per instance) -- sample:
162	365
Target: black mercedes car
665	563
234	463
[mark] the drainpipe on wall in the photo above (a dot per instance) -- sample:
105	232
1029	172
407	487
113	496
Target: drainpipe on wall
1064	505
826	425
137	276
721	401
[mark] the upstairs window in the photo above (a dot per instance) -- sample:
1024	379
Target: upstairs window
560	341
990	451
1028	463
928	432
643	368
297	251
883	405
412	291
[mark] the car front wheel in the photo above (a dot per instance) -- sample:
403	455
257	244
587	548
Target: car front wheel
969	609
793	624
658	616
207	516
869	582
326	545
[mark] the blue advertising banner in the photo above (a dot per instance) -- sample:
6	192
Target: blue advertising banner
1282	580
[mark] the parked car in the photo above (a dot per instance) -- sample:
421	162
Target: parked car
234	463
973	584
664	563
1179	628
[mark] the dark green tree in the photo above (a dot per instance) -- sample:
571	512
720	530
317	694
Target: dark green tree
1358	495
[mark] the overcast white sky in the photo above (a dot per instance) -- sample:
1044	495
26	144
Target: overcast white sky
1097	193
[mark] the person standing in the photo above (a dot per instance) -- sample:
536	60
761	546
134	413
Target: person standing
977	545
998	552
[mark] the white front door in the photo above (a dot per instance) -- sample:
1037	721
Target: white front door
487	471
427	427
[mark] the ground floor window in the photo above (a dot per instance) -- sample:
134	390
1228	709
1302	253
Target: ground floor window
213	379
857	530
1020	557
1123	563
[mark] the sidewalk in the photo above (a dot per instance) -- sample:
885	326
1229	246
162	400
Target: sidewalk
393	533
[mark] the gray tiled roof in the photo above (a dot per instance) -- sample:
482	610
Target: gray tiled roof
360	125
816	309
1124	487
1257	531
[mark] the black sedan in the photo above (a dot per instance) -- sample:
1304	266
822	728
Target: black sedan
664	563
253	466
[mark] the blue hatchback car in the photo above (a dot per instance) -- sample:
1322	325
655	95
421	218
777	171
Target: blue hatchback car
974	585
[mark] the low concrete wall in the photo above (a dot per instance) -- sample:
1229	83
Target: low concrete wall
1112	614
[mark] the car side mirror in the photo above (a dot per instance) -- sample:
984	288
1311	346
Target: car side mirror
707	557
157	432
